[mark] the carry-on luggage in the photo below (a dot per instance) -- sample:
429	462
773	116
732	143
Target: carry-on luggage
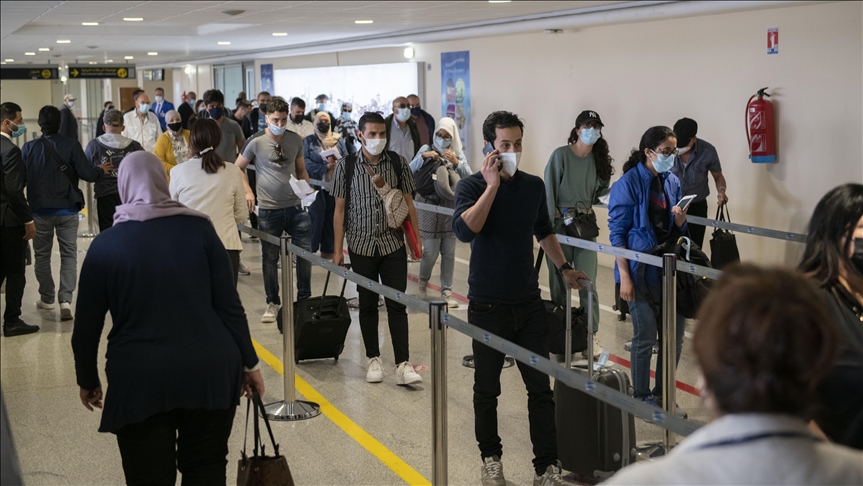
594	439
557	321
321	325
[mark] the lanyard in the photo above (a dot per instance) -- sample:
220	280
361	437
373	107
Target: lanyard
755	438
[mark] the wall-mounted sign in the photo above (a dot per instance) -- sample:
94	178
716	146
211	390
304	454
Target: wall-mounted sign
101	72
773	40
153	74
29	72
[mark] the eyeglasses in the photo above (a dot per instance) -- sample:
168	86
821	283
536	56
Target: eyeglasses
400	105
445	138
591	124
667	152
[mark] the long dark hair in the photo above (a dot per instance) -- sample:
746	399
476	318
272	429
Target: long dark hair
834	219
206	134
601	157
651	139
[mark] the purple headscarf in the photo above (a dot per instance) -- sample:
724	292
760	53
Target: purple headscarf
144	191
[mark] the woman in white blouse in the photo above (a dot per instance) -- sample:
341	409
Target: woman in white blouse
210	185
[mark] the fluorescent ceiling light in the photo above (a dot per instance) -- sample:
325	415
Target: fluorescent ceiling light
44	49
279	34
129	57
109	60
133	19
29	53
10	60
64	41
152	53
2	62
93	62
498	1
224	43
89	23
364	21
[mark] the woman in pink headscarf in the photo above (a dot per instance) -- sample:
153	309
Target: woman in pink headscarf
178	360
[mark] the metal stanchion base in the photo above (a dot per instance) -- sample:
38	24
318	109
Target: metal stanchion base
298	410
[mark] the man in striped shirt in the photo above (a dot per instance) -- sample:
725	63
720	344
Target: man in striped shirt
376	250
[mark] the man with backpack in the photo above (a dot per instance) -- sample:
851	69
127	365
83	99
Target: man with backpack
54	164
376	249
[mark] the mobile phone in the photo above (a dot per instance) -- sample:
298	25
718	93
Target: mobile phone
685	202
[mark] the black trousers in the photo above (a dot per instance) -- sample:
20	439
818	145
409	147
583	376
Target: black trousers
253	178
392	271
106	206
696	231
526	325
193	441
234	255
12	270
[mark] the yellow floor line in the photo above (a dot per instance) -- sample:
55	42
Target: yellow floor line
386	456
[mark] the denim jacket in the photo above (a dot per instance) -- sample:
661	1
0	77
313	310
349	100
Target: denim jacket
315	165
628	215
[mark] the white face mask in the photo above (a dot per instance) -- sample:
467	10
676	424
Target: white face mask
70	104
683	150
510	161
375	145
159	99
403	114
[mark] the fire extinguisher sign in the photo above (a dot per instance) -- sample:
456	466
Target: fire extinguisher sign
773	40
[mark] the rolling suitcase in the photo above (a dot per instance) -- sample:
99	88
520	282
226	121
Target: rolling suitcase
321	325
594	439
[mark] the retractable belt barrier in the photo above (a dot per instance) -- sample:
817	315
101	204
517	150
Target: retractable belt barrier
571	378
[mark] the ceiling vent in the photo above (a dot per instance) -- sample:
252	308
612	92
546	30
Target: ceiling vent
233	13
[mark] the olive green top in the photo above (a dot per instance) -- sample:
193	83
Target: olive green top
571	181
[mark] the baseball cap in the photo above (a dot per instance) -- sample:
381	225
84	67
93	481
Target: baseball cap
586	116
684	130
68	97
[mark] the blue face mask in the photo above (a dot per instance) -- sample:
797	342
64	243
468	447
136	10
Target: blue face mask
276	130
346	115
216	113
322	107
589	136
442	142
144	108
663	163
21	130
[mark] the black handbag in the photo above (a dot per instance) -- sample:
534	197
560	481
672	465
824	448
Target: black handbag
556	314
723	243
691	289
261	469
581	224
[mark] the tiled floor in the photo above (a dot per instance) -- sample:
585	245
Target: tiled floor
58	442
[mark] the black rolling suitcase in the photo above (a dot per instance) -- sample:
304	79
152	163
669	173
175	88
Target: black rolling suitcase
594	439
321	325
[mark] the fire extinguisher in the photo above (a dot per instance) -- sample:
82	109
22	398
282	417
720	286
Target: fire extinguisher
759	128
184	98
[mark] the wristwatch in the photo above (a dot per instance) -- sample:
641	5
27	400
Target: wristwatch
565	266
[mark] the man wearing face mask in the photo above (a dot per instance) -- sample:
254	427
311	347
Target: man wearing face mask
498	211
232	135
297	122
403	137
278	155
256	120
377	251
695	159
161	107
347	128
424	122
187	109
142	125
320	106
68	122
100	129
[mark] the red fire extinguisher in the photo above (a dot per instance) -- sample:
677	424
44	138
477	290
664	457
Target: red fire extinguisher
759	128
184	98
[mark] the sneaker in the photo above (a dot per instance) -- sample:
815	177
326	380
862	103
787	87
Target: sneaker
422	290
627	346
597	349
65	311
492	472
406	375
650	400
41	304
450	300
551	477
270	313
19	328
677	410
375	374
244	270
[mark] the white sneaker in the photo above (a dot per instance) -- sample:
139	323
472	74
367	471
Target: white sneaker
375	374
553	476
243	270
492	472
422	290
270	314
597	349
406	375
41	304
450	301
66	311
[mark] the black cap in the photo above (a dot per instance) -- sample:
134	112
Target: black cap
684	130
588	115
321	97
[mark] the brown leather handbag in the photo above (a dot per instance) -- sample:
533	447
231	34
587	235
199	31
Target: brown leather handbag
262	470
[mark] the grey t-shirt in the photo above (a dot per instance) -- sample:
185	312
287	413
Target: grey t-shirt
275	164
232	134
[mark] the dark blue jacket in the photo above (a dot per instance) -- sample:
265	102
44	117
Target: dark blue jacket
629	219
315	165
47	186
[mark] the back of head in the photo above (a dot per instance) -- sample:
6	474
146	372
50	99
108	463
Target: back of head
113	118
49	120
830	234
652	138
764	341
204	138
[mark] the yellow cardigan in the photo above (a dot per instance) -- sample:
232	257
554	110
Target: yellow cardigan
165	151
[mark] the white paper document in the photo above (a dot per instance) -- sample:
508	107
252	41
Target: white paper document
304	191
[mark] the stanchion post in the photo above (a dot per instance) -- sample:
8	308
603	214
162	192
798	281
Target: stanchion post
567	348
290	408
90	232
439	394
669	341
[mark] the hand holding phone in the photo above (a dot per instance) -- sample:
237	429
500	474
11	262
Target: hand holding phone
685	202
491	168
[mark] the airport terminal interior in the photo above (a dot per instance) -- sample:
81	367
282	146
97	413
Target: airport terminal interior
562	67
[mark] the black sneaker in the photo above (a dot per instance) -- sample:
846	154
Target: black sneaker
19	328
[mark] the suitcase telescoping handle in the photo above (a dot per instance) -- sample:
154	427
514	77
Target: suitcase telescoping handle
327	283
568	351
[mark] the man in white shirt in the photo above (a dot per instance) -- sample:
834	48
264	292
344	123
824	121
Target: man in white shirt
142	125
297	122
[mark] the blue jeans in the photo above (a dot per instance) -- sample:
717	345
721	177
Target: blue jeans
431	248
321	211
645	323
297	224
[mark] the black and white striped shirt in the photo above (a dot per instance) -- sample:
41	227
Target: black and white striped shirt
367	228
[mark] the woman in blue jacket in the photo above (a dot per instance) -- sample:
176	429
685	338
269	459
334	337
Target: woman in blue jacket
321	211
643	216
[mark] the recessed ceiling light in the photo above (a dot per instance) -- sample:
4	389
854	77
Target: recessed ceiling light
152	53
133	19
363	21
224	43
64	41
109	60
10	60
89	23
29	53
129	57
279	34
44	49
93	62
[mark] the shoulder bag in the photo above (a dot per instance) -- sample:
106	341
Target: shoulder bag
723	243
581	223
556	315
394	201
261	469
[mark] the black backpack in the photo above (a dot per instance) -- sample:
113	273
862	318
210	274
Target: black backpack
691	289
424	177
